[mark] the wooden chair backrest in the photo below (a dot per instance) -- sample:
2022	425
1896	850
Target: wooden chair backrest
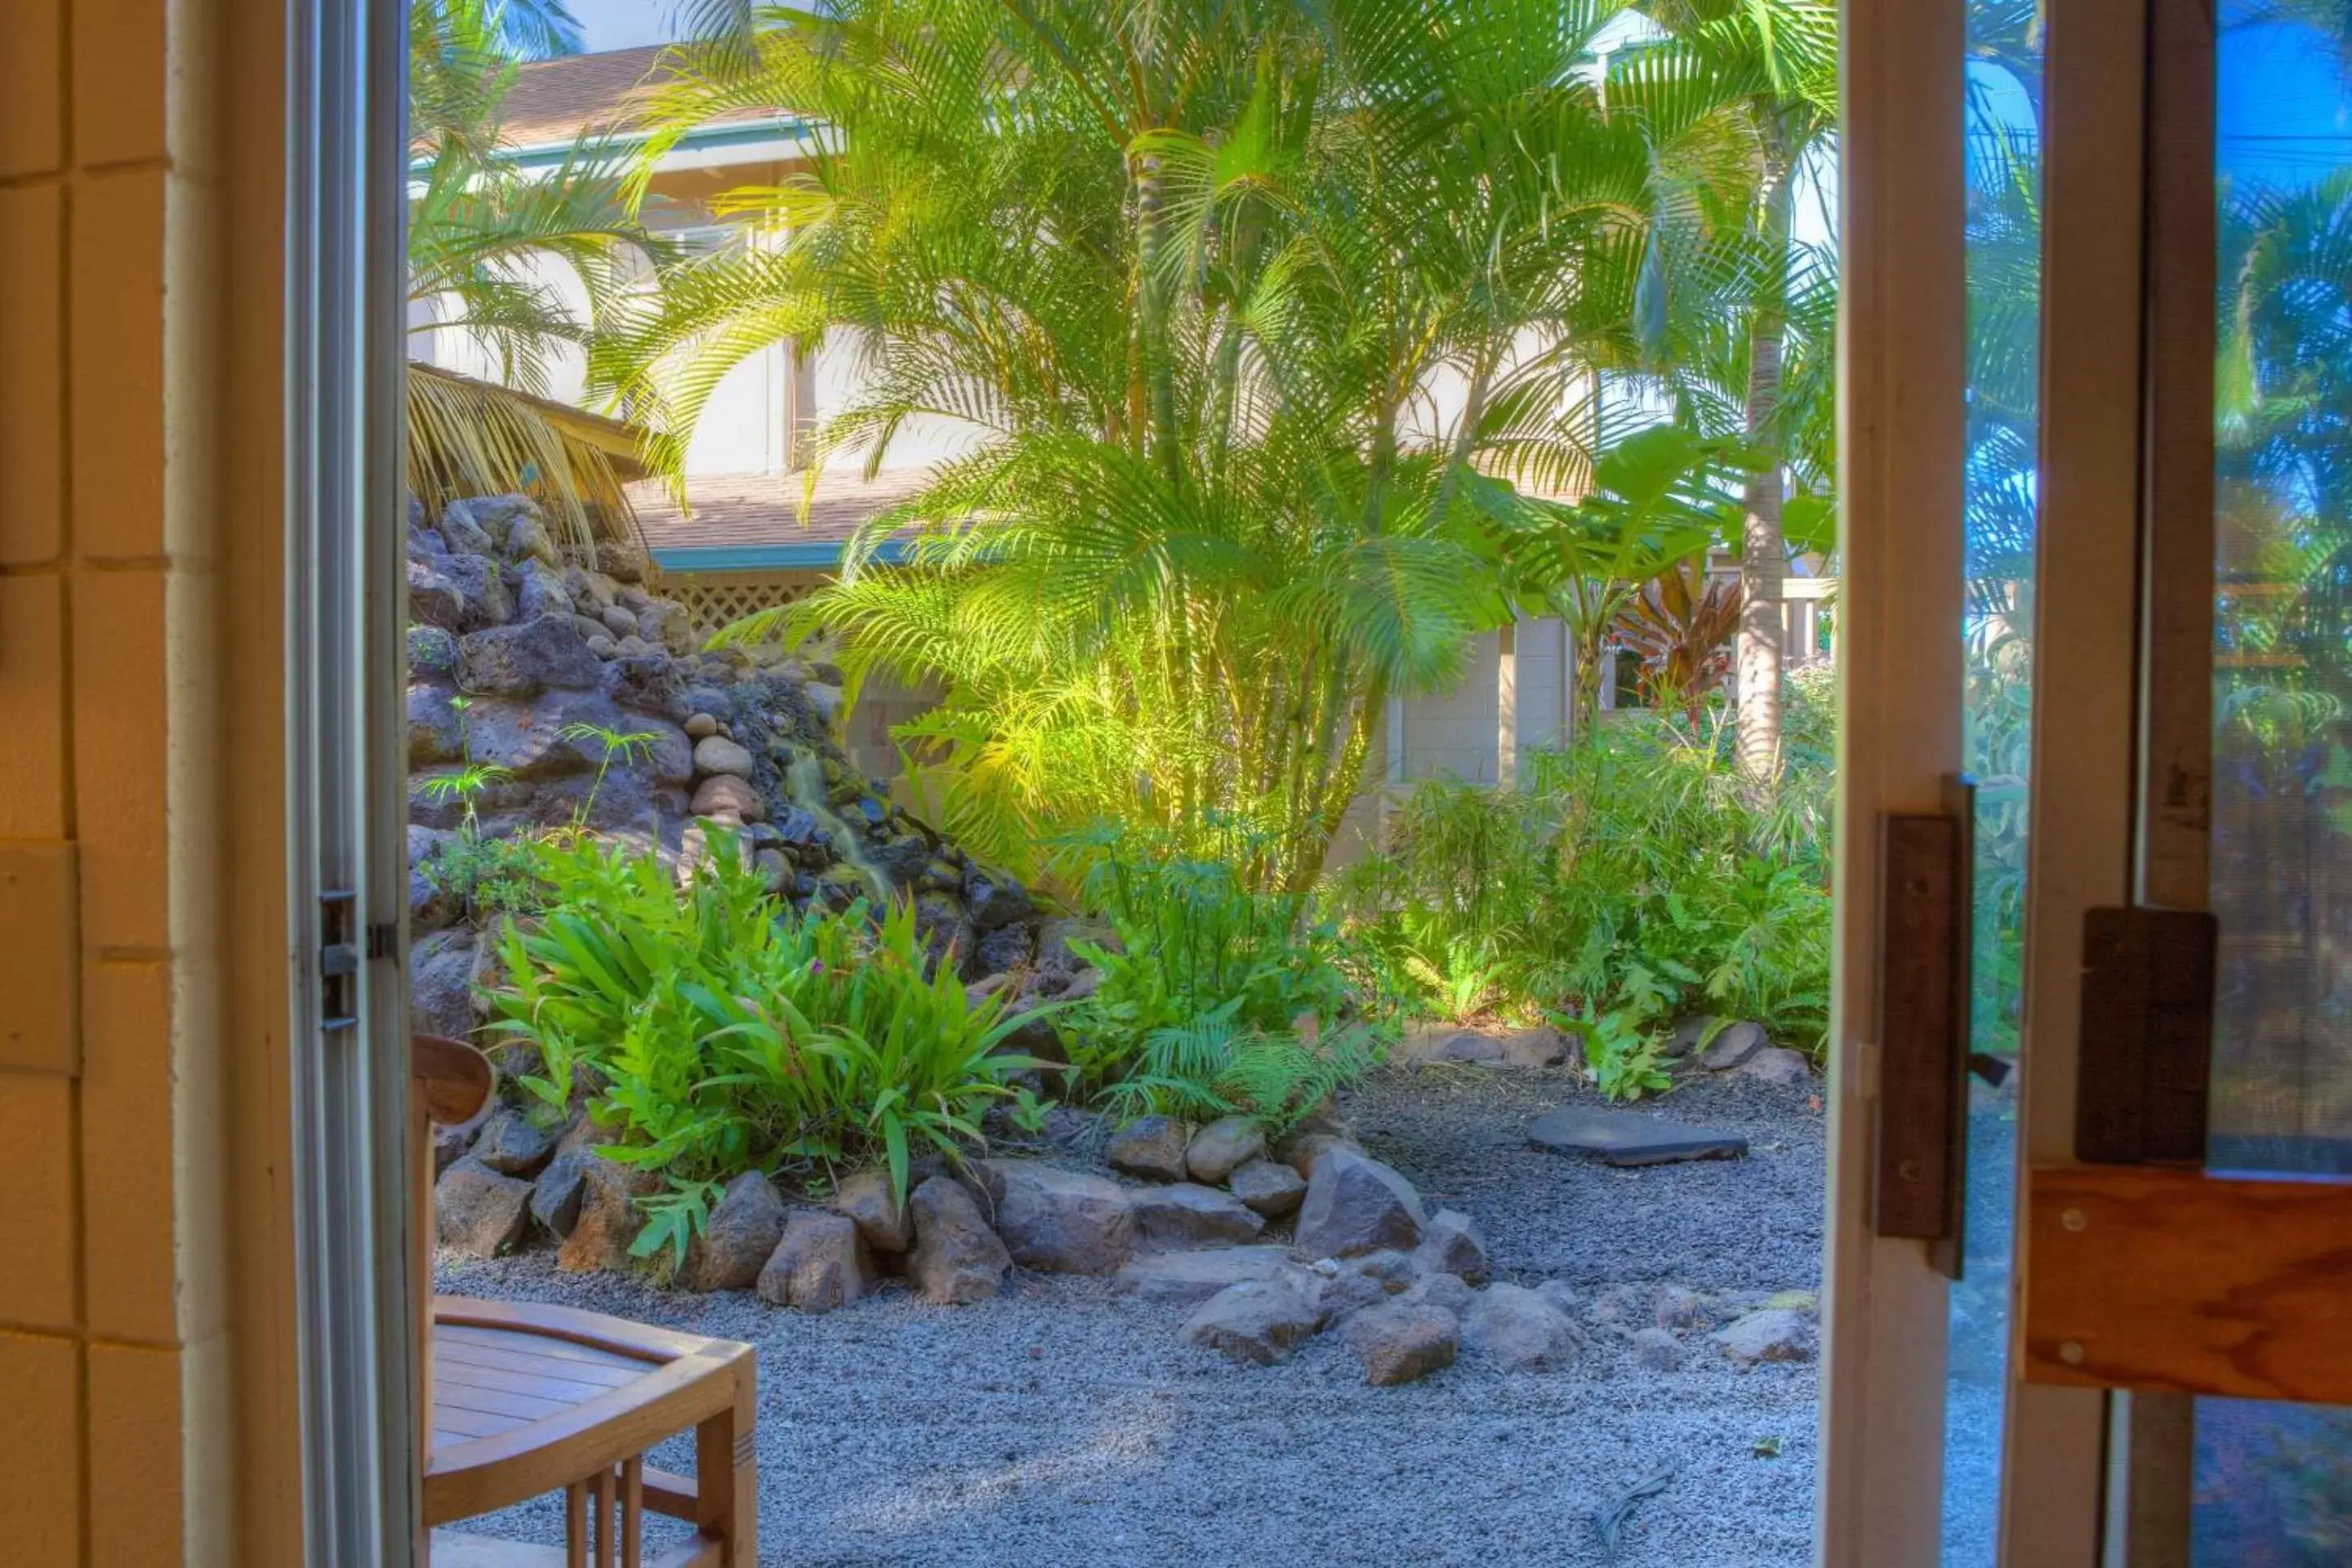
450	1082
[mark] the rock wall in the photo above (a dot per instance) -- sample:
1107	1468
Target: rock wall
518	659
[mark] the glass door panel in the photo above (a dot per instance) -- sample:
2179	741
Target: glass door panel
2274	1483
2004	267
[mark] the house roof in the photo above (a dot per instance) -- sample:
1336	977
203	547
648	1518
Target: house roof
743	522
555	102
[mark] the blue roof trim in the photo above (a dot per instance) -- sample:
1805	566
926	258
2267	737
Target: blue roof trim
734	133
796	556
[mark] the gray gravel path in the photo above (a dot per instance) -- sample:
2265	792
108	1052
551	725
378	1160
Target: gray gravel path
1064	1425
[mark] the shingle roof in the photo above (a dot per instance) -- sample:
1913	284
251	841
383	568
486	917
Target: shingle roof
733	510
556	101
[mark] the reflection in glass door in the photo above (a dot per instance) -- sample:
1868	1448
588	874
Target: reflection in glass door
2274	1483
2004	264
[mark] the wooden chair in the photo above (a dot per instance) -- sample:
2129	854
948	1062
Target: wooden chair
522	1400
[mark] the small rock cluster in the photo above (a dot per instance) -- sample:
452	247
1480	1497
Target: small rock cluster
519	659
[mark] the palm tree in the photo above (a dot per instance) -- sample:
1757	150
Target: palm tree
1255	313
484	244
1763	73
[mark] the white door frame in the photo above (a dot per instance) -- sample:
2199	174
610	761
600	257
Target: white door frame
1903	374
346	885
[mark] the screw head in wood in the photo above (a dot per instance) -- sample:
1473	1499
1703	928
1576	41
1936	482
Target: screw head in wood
2070	1353
2076	1220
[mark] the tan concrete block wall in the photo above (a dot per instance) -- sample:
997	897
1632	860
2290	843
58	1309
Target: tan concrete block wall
113	1269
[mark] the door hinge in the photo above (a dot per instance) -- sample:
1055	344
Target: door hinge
2147	1035
1922	1025
339	959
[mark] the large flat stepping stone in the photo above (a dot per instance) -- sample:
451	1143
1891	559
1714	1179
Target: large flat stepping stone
1629	1138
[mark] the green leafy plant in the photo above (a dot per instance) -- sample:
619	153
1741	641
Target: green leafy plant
1621	1055
1029	1110
674	1217
1636	878
631	746
1220	997
483	875
717	1030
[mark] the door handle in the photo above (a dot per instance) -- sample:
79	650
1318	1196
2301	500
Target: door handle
1920	1137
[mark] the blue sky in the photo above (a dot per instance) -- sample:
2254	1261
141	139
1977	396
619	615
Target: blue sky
623	24
2283	106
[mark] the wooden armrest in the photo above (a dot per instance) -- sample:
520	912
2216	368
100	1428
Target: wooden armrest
453	1079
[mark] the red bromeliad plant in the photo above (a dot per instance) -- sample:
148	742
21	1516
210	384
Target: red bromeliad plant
1682	624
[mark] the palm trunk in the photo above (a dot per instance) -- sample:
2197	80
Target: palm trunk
1158	374
1764	551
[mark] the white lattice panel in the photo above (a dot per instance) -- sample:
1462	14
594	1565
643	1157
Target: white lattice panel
714	599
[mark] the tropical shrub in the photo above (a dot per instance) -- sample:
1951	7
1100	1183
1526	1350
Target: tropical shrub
716	1030
1220	997
1634	878
1188	278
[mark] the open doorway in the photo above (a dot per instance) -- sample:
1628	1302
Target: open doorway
1120	723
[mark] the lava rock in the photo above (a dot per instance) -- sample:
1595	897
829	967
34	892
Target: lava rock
1257	1320
1774	1064
717	754
1404	1342
1658	1350
434	733
1302	1149
664	623
1272	1189
432	655
460	594
1151	1147
1006	948
957	1258
440	984
621	562
995	899
1224	1146
1447	1290
1451	1244
555	1197
1189	1279
609	1218
1355	1205
1187	1215
1450	1044
540	591
478	1211
512	1146
737	1240
525	659
1540	1046
1060	1221
1519	1328
1732	1045
1679	1310
819	1262
1773	1334
724	794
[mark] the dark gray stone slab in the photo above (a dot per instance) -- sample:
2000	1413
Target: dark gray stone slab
1629	1138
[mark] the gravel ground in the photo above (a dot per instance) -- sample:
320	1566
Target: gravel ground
1061	1424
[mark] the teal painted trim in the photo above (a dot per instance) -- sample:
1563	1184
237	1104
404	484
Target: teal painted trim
793	556
736	133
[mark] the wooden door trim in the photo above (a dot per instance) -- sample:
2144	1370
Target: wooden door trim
2176	1281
